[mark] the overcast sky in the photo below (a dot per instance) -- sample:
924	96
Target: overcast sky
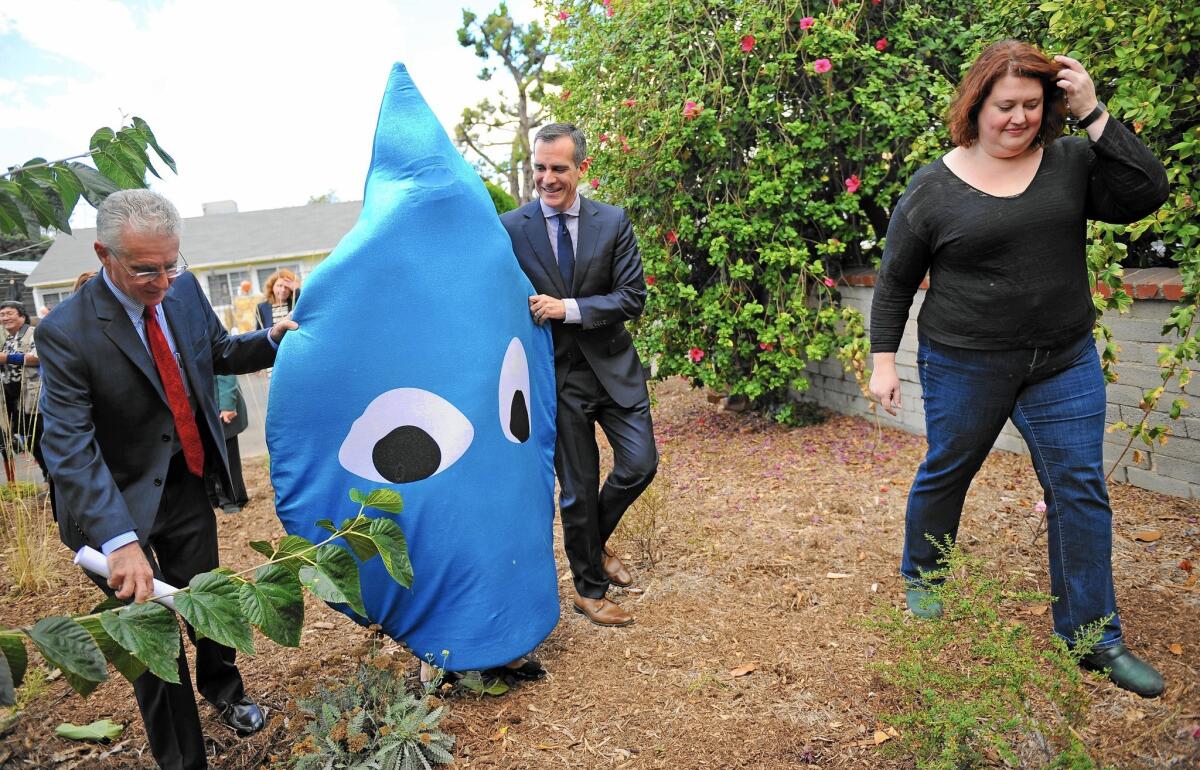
266	102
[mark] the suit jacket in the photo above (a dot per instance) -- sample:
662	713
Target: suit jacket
109	434
608	286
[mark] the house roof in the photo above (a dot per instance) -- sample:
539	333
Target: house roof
17	266
219	239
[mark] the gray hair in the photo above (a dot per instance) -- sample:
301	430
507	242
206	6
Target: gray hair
552	131
143	211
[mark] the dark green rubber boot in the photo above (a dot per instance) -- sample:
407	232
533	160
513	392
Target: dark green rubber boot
922	603
1125	670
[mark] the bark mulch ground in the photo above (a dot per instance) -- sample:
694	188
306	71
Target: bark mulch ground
770	547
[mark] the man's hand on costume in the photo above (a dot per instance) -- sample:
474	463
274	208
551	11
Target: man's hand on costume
546	308
130	573
282	328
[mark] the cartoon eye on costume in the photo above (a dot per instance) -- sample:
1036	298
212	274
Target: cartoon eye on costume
514	393
405	435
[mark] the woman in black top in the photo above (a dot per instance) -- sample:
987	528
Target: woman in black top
282	288
1000	225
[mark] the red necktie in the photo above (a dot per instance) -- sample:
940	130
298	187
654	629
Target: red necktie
172	380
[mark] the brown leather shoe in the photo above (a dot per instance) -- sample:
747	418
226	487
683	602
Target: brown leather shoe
618	575
602	612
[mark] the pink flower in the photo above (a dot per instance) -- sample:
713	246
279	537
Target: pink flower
766	346
608	10
595	183
603	138
747	43
1040	506
807	23
650	280
853	183
563	15
672	237
821	66
881	44
828	282
629	102
696	354
691	110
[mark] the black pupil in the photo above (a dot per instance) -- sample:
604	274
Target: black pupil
518	418
407	454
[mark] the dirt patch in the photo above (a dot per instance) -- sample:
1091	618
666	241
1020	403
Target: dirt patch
758	517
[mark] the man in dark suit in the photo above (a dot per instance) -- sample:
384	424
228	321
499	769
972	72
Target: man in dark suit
131	428
583	261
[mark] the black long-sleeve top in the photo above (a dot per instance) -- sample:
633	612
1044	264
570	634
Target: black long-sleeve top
1010	272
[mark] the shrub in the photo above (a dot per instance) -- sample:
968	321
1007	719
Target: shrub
500	199
758	150
372	722
974	682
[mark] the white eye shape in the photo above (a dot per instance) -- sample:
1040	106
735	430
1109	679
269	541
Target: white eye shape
405	435
514	393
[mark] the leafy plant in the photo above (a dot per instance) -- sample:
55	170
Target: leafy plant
220	605
42	194
973	685
372	722
103	730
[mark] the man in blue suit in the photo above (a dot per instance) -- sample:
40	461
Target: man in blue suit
131	430
583	261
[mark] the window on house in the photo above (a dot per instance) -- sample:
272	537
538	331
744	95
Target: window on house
223	287
51	298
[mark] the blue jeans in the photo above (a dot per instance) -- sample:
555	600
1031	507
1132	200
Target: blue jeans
1055	397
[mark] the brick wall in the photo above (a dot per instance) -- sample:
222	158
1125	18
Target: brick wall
1173	468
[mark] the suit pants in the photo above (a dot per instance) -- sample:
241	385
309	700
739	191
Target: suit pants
590	512
182	544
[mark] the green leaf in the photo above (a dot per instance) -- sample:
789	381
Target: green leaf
211	605
68	646
114	164
327	525
477	684
109	603
150	633
144	127
11	220
274	603
129	667
131	141
8	693
263	547
386	500
294	552
33	196
356	534
96	186
70	188
393	549
104	730
14	652
334	578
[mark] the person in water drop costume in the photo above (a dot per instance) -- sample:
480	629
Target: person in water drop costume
445	394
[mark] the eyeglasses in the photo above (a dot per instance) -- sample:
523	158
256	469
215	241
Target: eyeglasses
146	276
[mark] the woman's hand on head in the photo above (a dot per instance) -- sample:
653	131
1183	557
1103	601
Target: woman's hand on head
1077	84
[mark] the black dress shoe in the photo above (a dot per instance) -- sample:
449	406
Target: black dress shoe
529	671
1125	670
244	716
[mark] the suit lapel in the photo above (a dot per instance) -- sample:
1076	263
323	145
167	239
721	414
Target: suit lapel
119	329
589	236
535	231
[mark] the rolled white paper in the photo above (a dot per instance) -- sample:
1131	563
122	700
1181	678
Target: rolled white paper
94	561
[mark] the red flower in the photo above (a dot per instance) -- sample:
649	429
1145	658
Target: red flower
672	237
766	346
629	102
748	43
595	183
566	94
828	282
696	354
881	44
563	15
691	110
853	183
807	23
821	66
603	138
608	9
650	280
876	2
